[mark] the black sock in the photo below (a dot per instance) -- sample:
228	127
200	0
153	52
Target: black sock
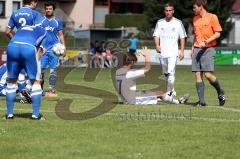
217	86
200	91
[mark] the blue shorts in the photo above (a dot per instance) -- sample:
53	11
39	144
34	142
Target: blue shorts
49	60
22	56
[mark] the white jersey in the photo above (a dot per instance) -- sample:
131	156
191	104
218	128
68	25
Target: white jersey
169	34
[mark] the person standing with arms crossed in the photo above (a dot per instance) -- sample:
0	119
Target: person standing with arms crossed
166	35
54	35
206	30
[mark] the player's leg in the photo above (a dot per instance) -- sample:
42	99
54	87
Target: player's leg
164	65
21	81
11	96
208	65
215	83
36	96
53	73
197	69
168	69
33	69
44	66
172	61
3	84
200	89
13	67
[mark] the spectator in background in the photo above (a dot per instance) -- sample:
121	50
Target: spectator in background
92	52
98	59
133	42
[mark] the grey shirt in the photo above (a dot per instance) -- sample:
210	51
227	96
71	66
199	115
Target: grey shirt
126	83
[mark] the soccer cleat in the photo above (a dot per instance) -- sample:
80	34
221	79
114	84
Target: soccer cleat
50	94
7	117
221	98
199	104
170	99
39	117
184	98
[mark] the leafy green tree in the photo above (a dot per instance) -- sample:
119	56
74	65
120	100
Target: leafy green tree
154	10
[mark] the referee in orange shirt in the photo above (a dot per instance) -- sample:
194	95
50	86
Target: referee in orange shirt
206	30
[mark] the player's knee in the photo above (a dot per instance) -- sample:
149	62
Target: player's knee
198	76
208	75
171	79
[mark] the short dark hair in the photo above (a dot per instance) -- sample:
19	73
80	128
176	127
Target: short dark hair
201	3
169	5
29	1
50	4
129	58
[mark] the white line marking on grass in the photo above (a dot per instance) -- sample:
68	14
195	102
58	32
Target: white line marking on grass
224	108
186	119
216	119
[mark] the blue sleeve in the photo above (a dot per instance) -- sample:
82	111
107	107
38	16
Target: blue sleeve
11	23
43	43
60	25
38	18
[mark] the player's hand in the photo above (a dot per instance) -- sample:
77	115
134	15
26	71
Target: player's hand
191	53
181	55
203	44
158	49
43	50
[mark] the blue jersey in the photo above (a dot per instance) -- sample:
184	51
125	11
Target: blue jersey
31	35
24	16
52	26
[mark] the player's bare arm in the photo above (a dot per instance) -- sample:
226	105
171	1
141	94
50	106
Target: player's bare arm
215	36
181	53
9	33
157	44
147	60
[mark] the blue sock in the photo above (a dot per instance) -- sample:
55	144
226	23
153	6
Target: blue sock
10	97
36	97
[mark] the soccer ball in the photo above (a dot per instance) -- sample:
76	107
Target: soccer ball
59	49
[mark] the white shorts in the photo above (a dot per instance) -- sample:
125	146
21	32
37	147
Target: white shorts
168	64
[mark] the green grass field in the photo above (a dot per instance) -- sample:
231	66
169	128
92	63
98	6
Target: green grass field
147	132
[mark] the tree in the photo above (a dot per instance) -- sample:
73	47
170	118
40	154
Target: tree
154	10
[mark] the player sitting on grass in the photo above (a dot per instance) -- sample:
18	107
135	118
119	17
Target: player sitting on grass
126	83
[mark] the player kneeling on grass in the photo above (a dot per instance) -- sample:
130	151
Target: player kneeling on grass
23	86
24	52
126	83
